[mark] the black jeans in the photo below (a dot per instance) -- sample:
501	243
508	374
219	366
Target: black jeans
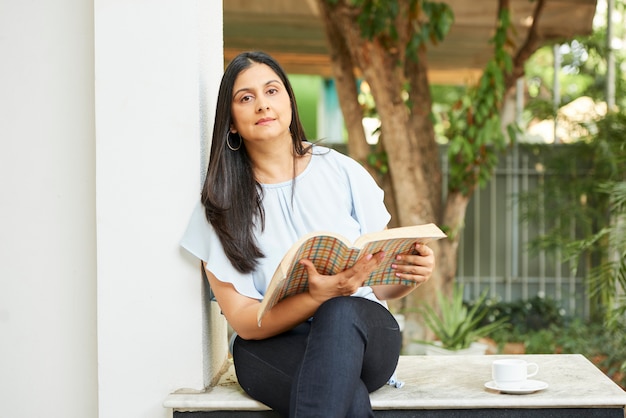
326	367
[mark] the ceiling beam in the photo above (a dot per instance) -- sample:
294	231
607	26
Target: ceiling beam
292	32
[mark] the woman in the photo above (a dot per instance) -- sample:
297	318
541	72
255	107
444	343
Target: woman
319	353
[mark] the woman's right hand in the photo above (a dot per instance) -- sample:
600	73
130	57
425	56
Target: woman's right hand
241	311
323	287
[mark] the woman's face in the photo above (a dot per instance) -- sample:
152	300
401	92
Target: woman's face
261	109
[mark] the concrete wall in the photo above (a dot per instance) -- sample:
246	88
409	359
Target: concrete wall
47	210
104	111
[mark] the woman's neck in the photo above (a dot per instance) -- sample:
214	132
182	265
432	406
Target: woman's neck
275	164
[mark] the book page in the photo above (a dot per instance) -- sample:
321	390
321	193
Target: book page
426	231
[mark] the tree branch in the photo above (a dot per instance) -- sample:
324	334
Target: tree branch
533	41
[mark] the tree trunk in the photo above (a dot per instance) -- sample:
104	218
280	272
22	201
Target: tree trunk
345	80
386	79
454	219
344	70
421	124
407	132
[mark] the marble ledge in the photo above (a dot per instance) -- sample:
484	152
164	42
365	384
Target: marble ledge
450	382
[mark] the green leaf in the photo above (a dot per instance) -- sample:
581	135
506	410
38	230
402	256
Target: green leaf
455	325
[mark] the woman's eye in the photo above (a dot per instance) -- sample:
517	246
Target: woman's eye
272	91
245	99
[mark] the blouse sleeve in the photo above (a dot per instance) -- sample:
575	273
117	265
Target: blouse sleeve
367	199
201	240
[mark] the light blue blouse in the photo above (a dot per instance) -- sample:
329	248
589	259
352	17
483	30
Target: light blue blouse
333	193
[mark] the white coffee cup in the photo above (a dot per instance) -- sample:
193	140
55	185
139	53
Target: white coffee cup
512	373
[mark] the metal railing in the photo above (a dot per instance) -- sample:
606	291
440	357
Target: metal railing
494	253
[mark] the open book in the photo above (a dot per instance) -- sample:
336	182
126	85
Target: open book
331	253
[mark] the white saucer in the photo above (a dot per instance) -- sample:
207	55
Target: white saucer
529	386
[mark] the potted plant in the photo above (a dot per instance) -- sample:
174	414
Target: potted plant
456	326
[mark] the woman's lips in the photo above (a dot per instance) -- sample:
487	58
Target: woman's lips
264	121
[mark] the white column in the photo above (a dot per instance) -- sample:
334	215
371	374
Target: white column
48	363
155	61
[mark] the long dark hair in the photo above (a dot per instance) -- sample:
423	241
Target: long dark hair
231	196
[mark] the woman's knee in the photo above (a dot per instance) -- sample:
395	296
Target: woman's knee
356	309
345	306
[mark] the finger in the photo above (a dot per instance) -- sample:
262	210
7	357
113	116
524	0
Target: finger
414	270
423	249
367	263
417	279
427	259
309	266
355	276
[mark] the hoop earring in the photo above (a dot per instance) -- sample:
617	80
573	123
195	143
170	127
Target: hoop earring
230	146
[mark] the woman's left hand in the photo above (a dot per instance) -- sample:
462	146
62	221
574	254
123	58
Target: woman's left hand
417	267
